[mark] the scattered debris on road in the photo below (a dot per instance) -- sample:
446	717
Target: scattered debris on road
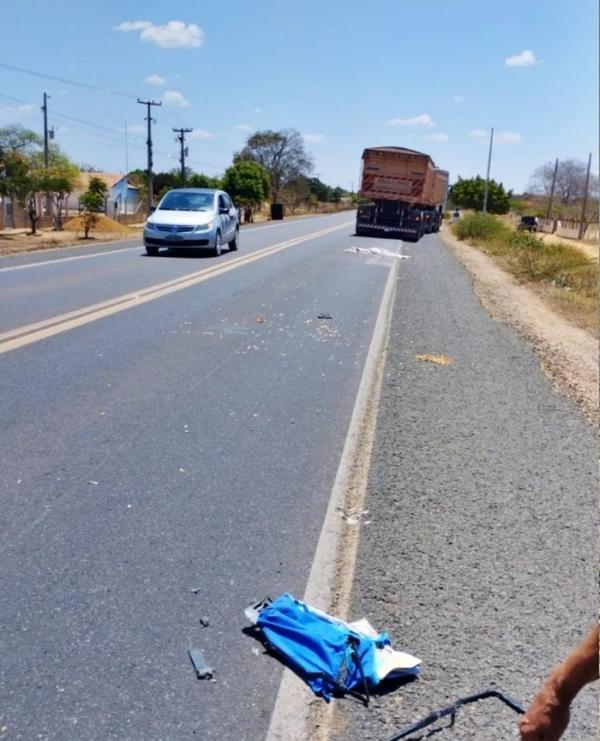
202	669
377	252
204	621
324	316
93	483
354	515
196	590
331	655
260	320
437	359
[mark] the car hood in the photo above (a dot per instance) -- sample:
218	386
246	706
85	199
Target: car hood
181	218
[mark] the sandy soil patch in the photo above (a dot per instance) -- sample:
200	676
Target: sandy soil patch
568	354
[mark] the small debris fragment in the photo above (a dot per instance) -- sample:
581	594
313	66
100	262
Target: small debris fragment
204	621
182	470
195	590
324	316
437	359
378	252
93	483
202	669
255	651
260	320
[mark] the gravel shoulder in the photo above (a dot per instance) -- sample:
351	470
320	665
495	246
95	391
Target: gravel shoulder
480	556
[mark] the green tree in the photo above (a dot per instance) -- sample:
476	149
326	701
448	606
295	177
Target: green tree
92	202
58	180
281	153
247	183
200	180
18	178
469	193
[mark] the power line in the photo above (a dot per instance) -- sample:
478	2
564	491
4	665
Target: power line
85	85
115	132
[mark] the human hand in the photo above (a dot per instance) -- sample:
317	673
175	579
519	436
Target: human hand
546	718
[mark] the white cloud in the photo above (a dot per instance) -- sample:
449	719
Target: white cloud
172	35
525	59
314	138
508	137
257	110
14	113
172	97
243	127
199	135
437	137
422	120
155	80
458	98
478	134
133	26
137	130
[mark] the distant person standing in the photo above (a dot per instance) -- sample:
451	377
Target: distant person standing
455	215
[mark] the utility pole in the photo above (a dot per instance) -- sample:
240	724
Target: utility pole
487	177
149	119
45	112
585	198
183	150
549	209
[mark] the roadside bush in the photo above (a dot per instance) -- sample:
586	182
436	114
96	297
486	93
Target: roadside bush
481	227
525	241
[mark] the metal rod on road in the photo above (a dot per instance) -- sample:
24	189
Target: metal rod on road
149	104
487	177
585	198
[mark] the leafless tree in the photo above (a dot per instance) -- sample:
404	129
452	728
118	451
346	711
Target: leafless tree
281	153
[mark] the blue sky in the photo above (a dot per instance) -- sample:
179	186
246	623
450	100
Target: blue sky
428	75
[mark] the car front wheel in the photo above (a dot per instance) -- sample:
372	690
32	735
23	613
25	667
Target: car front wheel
152	250
217	248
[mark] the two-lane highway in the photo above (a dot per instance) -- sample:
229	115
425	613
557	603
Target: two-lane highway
165	460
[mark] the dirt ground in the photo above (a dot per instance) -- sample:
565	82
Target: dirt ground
568	354
13	241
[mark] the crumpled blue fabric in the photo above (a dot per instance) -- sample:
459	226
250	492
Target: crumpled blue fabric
320	648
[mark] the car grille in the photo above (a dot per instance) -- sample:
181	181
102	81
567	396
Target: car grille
173	228
175	245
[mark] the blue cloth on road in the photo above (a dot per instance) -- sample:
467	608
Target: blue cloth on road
321	649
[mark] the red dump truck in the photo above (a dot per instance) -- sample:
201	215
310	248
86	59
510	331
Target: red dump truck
402	193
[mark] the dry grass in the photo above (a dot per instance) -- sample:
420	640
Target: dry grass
562	274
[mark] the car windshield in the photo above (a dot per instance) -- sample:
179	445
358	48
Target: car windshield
175	201
528	220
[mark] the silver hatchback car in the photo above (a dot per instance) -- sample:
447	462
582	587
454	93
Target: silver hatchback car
196	218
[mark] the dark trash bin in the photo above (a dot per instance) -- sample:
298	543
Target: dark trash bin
276	211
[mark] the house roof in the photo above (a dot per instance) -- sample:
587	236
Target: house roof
110	178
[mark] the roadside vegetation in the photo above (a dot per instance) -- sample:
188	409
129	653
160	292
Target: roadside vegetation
561	273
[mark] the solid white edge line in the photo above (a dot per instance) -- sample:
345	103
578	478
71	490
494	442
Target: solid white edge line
292	718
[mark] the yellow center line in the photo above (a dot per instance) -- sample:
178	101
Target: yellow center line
37	331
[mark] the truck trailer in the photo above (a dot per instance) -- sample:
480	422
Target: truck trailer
402	193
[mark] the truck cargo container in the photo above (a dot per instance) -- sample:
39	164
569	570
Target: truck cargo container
402	193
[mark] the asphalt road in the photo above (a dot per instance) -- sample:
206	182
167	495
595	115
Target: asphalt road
168	462
481	555
174	460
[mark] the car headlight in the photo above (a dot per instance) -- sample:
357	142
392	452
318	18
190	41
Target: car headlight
149	225
204	227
